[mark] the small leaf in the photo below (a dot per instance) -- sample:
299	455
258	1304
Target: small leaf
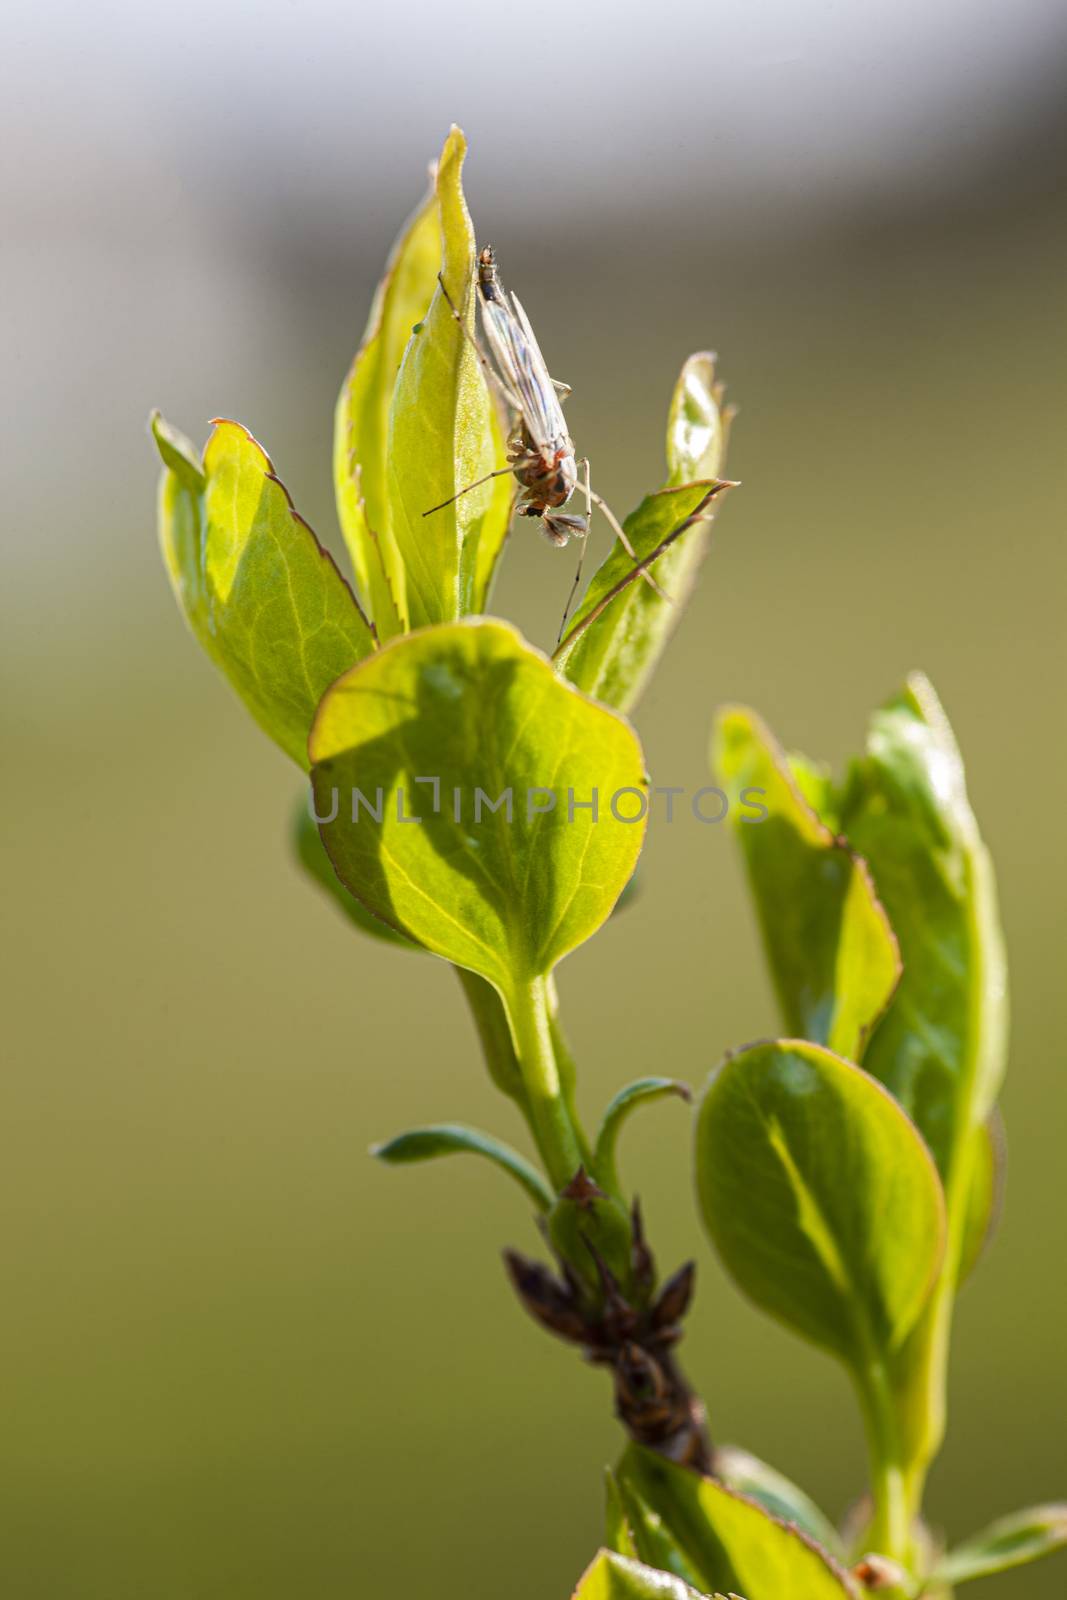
941	1047
698	424
986	1193
622	626
451	1138
257	589
615	1577
820	1197
361	422
443	436
618	1532
474	707
831	951
728	1541
1012	1542
621	1107
311	854
747	1474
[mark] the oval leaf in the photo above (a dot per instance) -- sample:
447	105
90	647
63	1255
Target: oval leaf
451	1138
257	589
831	951
443	436
506	892
1012	1542
730	1542
820	1197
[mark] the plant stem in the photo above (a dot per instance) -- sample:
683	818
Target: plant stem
550	1116
890	1533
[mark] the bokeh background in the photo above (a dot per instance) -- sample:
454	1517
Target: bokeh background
239	1359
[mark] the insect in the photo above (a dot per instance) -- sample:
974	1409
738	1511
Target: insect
540	451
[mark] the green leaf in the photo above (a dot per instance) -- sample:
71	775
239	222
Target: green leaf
698	423
615	1577
747	1474
831	951
451	1138
442	436
621	1107
820	1197
257	589
472	705
728	1541
941	1047
311	854
622	626
986	1193
618	1532
361	423
1012	1542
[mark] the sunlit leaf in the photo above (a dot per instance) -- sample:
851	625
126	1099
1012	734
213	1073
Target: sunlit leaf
442	436
1012	1542
831	951
474	707
361	422
257	589
820	1197
941	1046
450	1138
747	1474
615	1577
622	625
729	1542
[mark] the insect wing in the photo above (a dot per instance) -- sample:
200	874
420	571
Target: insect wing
543	412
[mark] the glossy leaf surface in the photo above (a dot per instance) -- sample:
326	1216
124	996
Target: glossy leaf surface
615	1577
820	1197
831	951
442	436
474	707
257	589
746	1474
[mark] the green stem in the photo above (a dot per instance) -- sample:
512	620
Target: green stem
550	1116
890	1533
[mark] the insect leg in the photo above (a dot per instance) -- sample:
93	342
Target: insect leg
500	472
562	389
620	534
581	559
492	377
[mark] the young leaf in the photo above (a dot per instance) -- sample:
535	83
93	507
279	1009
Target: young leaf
831	951
820	1197
257	589
362	418
615	1577
728	1541
450	1138
622	627
746	1474
442	436
618	1532
621	1107
505	892
1012	1542
941	1047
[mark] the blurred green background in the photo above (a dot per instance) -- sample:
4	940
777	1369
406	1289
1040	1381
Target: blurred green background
239	1359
